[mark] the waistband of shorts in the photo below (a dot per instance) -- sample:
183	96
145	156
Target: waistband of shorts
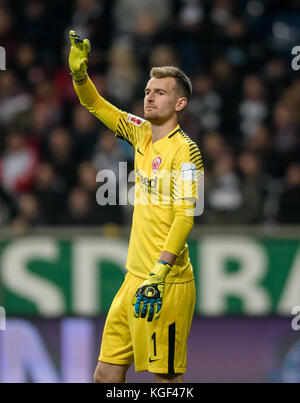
177	281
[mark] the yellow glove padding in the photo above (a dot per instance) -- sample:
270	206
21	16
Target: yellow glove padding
78	57
148	298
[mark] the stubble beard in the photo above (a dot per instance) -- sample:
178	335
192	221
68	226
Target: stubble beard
156	119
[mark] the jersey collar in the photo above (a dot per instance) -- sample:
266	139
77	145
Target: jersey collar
177	128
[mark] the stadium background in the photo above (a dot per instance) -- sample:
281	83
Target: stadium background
62	256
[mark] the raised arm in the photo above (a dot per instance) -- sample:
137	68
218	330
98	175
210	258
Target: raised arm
124	125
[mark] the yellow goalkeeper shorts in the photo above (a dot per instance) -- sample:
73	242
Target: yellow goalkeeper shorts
159	346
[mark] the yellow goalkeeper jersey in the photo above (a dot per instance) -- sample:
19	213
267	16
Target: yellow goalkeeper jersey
166	178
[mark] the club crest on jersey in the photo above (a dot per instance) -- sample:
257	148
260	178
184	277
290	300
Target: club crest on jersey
156	164
135	120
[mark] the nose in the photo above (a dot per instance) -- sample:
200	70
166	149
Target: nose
150	97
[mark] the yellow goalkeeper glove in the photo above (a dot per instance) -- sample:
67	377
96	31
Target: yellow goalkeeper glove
148	298
78	57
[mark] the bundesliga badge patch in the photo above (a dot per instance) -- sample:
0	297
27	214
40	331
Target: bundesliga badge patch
156	164
135	120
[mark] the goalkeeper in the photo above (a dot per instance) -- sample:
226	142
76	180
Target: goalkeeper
150	317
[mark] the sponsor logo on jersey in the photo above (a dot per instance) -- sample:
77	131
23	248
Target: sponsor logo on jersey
135	120
149	183
156	164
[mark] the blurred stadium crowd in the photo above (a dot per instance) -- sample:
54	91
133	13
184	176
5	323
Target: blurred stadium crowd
244	113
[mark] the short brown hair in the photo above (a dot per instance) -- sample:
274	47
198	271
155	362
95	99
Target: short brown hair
183	83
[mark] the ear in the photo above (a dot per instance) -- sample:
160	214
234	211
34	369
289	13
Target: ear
180	104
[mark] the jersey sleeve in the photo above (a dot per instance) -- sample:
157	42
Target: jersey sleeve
187	171
124	125
186	175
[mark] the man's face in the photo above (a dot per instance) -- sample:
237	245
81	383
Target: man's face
161	100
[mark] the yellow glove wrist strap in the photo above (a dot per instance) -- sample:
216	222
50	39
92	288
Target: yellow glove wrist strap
161	270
